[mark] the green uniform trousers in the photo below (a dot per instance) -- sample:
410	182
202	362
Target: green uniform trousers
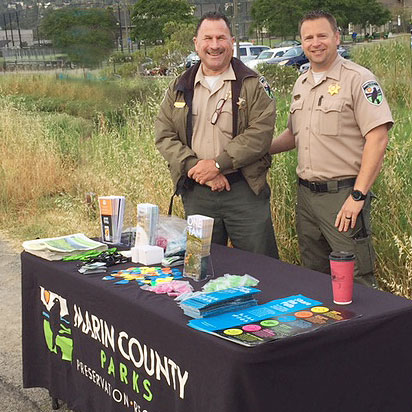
239	215
315	222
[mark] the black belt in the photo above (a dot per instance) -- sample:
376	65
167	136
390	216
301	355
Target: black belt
330	186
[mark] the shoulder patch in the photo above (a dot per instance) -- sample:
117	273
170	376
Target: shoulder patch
266	86
372	92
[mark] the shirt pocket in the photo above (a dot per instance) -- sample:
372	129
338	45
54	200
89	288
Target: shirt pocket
296	109
329	117
225	120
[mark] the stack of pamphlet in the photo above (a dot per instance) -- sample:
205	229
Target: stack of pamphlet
222	301
58	247
111	218
147	220
199	237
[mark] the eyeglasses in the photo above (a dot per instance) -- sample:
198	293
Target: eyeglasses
219	108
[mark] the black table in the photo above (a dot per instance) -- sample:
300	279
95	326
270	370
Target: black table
132	349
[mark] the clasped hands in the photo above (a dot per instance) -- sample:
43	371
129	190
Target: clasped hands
206	173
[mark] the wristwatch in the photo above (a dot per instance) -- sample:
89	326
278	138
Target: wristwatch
217	165
358	195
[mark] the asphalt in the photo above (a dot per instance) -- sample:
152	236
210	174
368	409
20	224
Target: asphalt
13	397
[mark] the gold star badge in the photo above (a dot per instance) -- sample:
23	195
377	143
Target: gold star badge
333	89
241	102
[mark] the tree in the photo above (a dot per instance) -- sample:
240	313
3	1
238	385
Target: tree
151	16
281	18
278	17
364	12
176	47
86	35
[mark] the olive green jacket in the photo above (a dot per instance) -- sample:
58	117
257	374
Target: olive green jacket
253	123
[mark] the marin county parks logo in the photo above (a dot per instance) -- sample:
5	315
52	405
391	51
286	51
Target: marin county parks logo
373	92
56	326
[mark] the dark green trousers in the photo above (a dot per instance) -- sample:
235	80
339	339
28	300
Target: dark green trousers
318	236
239	215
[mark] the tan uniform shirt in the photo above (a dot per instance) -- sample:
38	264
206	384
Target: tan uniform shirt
209	140
330	119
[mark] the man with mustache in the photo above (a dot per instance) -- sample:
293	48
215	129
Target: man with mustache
339	122
215	128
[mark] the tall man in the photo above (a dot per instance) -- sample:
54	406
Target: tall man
339	121
214	128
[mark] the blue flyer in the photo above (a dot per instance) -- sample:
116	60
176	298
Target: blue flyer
273	308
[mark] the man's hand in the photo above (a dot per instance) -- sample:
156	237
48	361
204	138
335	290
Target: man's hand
348	214
219	183
204	171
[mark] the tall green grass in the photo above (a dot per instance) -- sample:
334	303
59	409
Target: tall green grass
55	164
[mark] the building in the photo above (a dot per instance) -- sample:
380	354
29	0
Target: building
11	38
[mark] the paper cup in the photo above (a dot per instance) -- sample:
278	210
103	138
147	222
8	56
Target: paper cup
342	265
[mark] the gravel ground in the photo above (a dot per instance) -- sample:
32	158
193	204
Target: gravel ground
13	398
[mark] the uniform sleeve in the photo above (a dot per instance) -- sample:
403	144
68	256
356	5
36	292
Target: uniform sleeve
370	105
179	156
255	141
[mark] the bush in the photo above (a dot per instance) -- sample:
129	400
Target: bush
280	78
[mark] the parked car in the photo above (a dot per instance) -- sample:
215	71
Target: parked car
248	51
191	59
267	55
293	57
288	43
341	50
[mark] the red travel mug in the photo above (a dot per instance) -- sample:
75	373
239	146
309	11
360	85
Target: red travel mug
342	265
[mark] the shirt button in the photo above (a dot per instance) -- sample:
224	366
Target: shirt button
307	168
306	128
306	148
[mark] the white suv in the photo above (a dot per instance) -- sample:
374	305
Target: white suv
249	51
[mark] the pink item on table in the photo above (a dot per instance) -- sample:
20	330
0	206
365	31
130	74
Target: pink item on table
173	288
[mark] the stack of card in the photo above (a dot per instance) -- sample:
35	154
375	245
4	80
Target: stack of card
222	301
147	220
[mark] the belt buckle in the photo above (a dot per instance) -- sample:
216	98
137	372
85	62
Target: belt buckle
313	186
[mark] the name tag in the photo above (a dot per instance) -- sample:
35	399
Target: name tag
180	105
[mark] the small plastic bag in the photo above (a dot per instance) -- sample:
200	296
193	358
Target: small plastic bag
229	281
171	235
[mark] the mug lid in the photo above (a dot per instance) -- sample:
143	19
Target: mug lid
345	256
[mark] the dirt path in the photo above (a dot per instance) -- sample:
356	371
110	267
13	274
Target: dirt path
13	398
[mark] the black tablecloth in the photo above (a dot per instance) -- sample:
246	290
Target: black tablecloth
133	351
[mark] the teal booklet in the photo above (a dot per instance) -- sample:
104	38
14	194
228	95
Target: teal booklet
276	319
221	301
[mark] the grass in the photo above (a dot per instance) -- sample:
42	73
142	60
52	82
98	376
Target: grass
56	161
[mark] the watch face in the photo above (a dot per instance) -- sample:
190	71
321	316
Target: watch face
357	195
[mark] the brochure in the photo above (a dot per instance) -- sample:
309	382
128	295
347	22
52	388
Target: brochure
111	218
58	247
199	238
277	319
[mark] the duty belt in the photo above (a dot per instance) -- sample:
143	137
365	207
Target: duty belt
331	186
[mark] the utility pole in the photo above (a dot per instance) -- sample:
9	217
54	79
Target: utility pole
120	27
11	30
18	28
126	26
236	26
5	29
